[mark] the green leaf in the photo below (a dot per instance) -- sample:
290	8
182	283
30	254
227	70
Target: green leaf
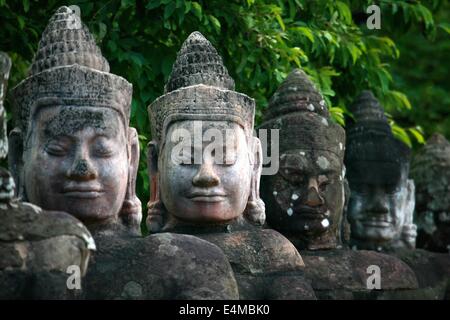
344	11
445	26
215	22
197	8
153	4
401	134
280	22
26	5
168	10
305	32
417	135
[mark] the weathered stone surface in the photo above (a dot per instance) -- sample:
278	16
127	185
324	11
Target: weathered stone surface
342	274
432	271
305	198
161	266
217	201
381	197
430	170
36	248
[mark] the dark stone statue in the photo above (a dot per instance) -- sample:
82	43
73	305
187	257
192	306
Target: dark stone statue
431	172
382	197
381	203
75	151
205	167
306	197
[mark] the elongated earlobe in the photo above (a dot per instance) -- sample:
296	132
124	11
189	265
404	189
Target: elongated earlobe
156	211
15	161
131	212
255	212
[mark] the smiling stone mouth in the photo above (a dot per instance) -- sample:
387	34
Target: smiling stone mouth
83	194
207	198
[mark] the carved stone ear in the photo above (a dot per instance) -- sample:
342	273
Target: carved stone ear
409	230
255	211
131	212
345	225
155	213
15	160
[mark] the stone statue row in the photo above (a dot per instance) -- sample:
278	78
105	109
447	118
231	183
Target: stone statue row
74	159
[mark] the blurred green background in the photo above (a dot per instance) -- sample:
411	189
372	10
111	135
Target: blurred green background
405	63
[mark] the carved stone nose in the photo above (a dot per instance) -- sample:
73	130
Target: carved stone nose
206	177
82	170
313	198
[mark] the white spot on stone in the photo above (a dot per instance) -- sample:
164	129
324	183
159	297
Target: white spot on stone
306	227
325	223
290	212
325	122
275	193
294	196
302	153
379	248
322	102
340	146
291	204
310	107
323	162
321	259
89	241
327	213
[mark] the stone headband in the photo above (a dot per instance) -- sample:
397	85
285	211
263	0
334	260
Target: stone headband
73	85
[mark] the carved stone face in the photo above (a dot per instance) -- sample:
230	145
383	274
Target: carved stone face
76	161
212	188
306	196
376	209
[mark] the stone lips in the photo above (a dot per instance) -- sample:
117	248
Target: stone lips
308	131
296	93
198	62
74	85
200	102
66	41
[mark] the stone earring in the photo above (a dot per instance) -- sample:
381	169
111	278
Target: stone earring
131	211
255	212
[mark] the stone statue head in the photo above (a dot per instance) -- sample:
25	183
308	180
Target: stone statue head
305	198
72	148
381	201
204	162
430	170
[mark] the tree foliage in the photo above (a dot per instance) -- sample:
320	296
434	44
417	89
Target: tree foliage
261	41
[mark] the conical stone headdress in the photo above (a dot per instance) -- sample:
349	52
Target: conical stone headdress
200	88
299	111
69	69
370	140
429	169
